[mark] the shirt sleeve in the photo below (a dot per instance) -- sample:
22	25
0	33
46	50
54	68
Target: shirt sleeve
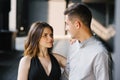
101	68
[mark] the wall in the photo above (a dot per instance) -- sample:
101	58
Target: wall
116	54
49	11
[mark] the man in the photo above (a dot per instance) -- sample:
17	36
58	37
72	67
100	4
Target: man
88	59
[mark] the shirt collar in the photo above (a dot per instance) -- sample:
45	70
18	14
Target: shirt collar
84	43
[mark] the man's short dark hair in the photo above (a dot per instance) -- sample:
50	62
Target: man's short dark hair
80	11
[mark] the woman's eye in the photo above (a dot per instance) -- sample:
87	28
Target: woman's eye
48	35
45	35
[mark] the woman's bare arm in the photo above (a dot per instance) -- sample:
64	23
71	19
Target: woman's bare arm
23	68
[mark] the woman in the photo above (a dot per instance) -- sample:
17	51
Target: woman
38	62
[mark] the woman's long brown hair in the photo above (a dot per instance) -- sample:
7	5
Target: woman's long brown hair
34	35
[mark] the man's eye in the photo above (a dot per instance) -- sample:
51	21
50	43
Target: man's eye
51	35
66	23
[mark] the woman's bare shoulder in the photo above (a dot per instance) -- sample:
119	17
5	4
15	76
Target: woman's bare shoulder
24	66
58	55
25	60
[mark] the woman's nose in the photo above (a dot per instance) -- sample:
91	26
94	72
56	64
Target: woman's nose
50	37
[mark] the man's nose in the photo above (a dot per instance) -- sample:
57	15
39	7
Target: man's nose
66	28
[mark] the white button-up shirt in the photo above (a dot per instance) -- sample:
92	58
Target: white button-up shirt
88	61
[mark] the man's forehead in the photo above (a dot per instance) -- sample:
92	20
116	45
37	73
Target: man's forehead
66	18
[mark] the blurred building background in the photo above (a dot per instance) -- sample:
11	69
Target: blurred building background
16	16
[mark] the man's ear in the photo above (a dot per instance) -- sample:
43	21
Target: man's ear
77	24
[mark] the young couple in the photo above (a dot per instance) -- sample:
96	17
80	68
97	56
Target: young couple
87	59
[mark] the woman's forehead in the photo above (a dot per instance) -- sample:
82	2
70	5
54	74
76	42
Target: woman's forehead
47	30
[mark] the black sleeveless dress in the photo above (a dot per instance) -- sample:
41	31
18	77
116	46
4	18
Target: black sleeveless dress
37	71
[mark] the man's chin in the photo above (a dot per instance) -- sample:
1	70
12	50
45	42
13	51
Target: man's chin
72	37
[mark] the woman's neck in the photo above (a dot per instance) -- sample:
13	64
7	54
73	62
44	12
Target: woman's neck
43	52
